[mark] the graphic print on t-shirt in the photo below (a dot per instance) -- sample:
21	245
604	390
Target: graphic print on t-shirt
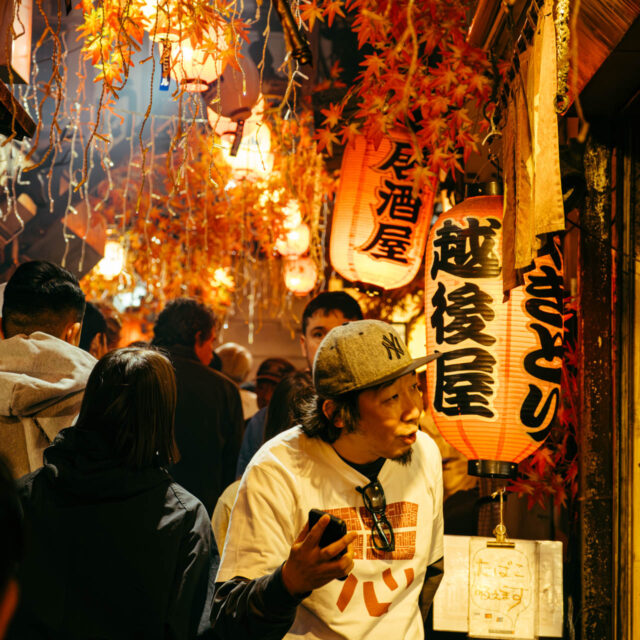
403	517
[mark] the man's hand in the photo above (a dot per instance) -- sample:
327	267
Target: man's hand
310	566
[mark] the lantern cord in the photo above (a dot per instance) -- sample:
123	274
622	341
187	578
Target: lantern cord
500	532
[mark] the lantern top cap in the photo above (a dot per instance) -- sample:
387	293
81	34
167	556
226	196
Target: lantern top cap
361	354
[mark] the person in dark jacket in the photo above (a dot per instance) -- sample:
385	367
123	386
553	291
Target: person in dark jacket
209	420
116	549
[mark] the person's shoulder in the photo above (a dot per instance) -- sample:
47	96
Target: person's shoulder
427	446
38	343
291	449
181	500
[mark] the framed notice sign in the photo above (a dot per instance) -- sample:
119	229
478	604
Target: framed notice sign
507	592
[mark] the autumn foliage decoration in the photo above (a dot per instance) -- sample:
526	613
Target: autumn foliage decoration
204	232
112	32
418	73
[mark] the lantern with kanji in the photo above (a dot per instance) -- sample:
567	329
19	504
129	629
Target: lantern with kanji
380	225
494	390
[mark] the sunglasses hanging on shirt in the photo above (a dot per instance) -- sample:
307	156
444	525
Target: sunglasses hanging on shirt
376	504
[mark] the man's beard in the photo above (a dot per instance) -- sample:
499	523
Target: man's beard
404	458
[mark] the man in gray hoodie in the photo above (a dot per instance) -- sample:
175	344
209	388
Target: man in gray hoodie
43	373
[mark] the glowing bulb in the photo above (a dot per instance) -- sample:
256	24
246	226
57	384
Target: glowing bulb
300	275
113	262
294	242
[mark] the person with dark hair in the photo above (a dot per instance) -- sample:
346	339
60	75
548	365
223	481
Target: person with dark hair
42	371
327	310
359	456
270	372
12	544
209	418
93	337
284	411
117	549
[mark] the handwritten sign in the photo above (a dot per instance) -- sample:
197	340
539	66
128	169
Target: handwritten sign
507	593
501	588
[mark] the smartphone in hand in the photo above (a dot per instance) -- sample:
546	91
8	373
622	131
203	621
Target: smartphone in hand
335	530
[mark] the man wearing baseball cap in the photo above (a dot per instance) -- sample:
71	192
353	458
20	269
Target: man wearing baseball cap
359	456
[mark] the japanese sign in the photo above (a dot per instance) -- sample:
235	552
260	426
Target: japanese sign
493	592
380	225
495	389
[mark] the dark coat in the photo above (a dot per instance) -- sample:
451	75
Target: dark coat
112	552
208	429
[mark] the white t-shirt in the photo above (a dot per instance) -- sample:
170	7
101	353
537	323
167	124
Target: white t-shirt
292	474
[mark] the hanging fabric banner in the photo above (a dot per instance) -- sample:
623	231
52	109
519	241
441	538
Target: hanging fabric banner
379	227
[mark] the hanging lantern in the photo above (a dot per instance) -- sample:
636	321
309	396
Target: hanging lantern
253	157
223	126
494	391
196	66
236	91
300	275
113	262
294	242
379	226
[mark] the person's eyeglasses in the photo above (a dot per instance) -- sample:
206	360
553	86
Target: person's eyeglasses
376	504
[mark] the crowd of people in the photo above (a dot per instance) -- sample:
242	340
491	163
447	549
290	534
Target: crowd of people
147	492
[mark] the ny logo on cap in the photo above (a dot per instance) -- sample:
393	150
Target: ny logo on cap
391	343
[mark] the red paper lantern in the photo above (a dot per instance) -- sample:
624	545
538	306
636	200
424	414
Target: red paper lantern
379	226
494	391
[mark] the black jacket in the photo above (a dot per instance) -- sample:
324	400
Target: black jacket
209	426
111	552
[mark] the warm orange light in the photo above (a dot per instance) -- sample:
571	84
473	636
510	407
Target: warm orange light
379	227
197	66
292	215
494	392
237	91
300	275
254	157
112	263
294	242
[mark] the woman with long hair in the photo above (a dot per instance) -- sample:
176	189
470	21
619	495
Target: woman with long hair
116	548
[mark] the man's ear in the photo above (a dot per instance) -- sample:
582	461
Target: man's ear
303	346
98	346
72	332
8	603
329	409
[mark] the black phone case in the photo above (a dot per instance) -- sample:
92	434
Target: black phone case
335	530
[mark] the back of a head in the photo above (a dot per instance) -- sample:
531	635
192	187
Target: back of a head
93	324
332	301
236	361
41	296
131	399
181	321
289	398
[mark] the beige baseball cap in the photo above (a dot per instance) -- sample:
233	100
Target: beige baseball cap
361	354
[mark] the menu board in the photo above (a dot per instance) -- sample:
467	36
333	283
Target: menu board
507	592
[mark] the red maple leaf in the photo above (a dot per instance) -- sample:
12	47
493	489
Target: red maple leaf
332	9
332	115
326	139
310	12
